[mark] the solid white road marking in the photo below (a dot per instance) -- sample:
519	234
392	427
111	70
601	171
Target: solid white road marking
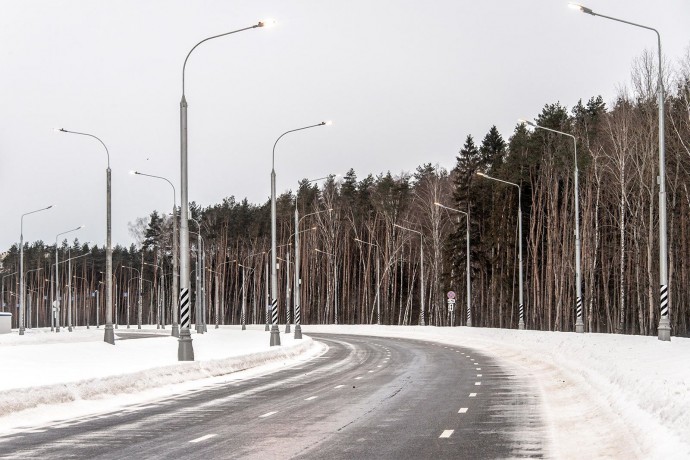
479	368
371	372
473	395
357	378
463	410
479	375
446	433
203	438
268	414
378	365
311	397
339	386
477	383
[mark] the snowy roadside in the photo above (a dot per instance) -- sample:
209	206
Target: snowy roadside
614	396
43	368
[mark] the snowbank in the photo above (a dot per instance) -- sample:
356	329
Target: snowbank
47	368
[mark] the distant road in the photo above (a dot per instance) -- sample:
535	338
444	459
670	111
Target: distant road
367	397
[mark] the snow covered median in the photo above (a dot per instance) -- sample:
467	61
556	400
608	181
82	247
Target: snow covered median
43	368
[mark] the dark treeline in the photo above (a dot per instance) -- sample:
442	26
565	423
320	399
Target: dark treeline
618	191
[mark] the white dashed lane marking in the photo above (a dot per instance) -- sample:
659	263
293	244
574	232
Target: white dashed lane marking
446	433
463	410
338	386
268	414
203	438
310	398
477	383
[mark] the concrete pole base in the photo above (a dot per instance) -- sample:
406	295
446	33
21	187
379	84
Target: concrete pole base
287	328
109	335
185	350
138	326
217	327
579	326
21	331
267	328
128	326
275	336
175	331
88	327
57	329
298	332
664	329
521	325
469	323
244	327
116	326
69	329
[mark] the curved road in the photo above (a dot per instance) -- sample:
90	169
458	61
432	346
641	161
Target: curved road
367	397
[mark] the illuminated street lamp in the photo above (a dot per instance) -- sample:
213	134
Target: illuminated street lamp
109	335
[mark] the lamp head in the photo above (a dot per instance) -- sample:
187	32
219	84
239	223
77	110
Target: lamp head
133	173
479	173
584	9
267	23
436	203
327	122
57	130
526	122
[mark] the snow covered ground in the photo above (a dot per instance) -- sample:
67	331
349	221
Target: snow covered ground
612	396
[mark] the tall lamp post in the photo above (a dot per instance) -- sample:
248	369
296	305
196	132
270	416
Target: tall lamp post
579	323
57	279
664	323
244	288
378	278
521	323
467	242
176	252
139	296
298	280
421	265
275	332
109	335
21	267
185	350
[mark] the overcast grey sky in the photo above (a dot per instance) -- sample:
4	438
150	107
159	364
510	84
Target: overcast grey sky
403	81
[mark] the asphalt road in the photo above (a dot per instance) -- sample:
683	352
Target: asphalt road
367	397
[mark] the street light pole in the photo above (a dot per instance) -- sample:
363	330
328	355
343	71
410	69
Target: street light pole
21	267
664	327
378	279
138	297
109	335
275	332
298	280
579	323
57	280
185	351
521	323
176	253
467	250
421	265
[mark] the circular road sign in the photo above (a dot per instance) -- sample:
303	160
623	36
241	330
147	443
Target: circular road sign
451	294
